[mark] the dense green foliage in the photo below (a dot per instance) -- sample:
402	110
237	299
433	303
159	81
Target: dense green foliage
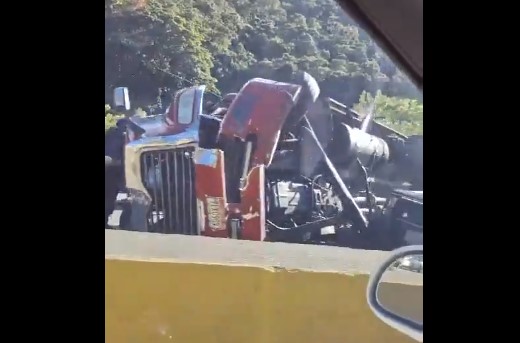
223	43
110	117
403	114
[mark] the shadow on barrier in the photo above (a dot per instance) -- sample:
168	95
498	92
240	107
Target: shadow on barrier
190	303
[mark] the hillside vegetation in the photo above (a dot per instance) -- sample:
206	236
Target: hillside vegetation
223	43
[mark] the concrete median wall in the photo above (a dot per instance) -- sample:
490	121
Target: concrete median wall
161	288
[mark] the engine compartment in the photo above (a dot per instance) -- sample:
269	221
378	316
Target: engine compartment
295	203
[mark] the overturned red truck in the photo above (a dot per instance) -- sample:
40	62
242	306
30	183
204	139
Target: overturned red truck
279	163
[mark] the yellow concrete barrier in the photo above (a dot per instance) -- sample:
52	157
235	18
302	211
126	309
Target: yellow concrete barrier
152	294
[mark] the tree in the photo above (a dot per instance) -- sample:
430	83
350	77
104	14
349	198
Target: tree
223	43
402	114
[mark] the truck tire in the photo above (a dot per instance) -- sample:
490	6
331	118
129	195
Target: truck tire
112	180
114	171
124	219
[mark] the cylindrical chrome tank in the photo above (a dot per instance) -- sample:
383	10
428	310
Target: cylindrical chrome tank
351	143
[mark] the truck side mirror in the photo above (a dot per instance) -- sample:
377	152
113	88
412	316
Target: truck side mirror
121	98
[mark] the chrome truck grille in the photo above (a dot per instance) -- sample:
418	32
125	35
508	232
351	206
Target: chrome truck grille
169	178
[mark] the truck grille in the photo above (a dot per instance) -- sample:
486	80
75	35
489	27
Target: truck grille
169	178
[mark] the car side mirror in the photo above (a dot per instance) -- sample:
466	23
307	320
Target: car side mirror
395	291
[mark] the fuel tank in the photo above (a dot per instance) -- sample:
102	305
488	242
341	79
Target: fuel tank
351	143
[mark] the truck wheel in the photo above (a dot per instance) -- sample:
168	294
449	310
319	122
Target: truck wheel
124	219
112	178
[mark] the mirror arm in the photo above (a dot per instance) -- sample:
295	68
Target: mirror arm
404	325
